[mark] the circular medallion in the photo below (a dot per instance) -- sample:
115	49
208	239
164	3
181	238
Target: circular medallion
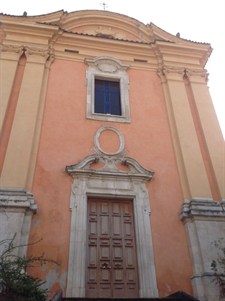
109	141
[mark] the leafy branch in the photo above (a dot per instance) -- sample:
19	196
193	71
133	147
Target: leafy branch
15	282
218	267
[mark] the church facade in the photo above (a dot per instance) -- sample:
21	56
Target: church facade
111	155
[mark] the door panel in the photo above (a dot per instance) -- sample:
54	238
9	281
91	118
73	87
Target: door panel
111	264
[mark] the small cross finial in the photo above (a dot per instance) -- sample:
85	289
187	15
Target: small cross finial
104	5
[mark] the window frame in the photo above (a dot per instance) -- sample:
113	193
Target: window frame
112	70
108	102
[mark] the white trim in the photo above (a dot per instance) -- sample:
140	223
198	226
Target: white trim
119	134
107	68
120	185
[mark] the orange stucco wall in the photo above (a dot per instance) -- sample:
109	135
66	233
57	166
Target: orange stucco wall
67	137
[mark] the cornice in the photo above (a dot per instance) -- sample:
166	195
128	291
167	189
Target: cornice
135	170
150	47
159	52
99	23
202	208
29	28
52	17
27	35
17	199
177	39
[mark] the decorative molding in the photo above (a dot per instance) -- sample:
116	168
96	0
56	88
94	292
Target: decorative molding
11	52
16	209
17	198
203	208
111	182
110	161
98	148
179	73
38	55
27	50
193	74
11	48
110	167
106	64
110	69
204	221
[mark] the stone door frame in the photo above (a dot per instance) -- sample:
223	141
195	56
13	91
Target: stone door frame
89	182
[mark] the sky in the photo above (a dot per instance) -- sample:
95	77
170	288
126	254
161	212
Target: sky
196	20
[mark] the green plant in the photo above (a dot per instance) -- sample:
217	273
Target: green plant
218	267
15	282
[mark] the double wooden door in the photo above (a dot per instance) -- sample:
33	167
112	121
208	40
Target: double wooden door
111	254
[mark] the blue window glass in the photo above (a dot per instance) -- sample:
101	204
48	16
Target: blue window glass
107	97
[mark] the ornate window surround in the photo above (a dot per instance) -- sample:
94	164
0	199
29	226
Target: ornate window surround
111	182
109	69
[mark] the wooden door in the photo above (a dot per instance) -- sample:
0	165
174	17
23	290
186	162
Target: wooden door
111	263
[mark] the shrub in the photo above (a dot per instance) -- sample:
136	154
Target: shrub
218	267
15	282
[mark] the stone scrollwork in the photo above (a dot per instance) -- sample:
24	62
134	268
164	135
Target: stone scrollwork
182	72
110	160
12	51
38	55
106	64
107	68
11	48
112	182
196	72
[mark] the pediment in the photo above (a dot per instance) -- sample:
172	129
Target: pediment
107	25
104	24
110	167
109	163
112	25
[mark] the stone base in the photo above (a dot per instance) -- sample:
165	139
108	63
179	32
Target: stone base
16	209
205	224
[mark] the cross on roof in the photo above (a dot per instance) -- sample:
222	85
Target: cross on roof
104	5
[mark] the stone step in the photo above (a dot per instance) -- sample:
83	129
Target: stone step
178	296
127	299
120	299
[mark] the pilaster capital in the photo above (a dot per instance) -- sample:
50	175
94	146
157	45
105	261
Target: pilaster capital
196	75
33	54
11	52
39	55
171	73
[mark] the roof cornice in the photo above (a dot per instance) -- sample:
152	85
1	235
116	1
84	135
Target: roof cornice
121	34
